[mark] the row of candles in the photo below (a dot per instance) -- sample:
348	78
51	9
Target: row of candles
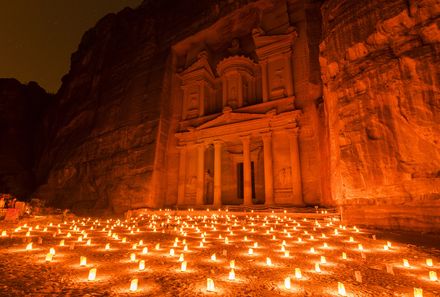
191	226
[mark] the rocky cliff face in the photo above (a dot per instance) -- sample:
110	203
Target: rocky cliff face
380	66
110	124
21	134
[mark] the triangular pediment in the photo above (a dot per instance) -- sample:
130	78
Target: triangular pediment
228	118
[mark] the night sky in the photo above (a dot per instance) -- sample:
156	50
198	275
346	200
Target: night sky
37	37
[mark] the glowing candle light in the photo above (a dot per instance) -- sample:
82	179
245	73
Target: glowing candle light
287	284
341	289
232	274
29	246
351	239
312	250
268	261
213	257
183	266
286	254
317	268
298	273
245	238
49	257
171	252
141	265
132	257
325	245
389	243
323	260
134	285
89	242
134	247
145	250
418	292
283	248
4	234
185	248
255	244
344	256
80	239
124	240
360	247
226	240
157	246
181	258
232	264
92	274
405	263
433	276
28	234
385	247
210	285
429	262
82	261
201	244
299	239
250	251
107	246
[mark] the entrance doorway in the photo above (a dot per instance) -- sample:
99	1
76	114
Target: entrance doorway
240	181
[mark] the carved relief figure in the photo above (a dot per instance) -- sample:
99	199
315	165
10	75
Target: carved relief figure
191	183
284	176
209	187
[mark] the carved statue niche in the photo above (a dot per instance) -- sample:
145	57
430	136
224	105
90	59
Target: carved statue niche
198	87
237	74
275	58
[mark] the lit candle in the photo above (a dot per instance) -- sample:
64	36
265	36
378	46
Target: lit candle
213	257
134	284
418	292
360	247
323	260
317	268
141	265
183	266
405	263
312	250
92	274
157	246
52	251
132	257
29	246
298	274
232	264
287	283
82	261
145	250
341	289
286	254
107	246
210	285
4	234
49	257
232	274
344	256
250	251
171	252
268	261
433	276
351	239
429	262
385	247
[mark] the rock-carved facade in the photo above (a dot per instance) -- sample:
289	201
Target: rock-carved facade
233	120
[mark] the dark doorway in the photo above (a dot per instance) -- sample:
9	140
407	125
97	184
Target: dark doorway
240	180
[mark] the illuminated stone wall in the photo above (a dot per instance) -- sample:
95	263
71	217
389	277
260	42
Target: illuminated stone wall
380	65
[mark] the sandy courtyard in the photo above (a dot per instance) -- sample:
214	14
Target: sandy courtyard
295	244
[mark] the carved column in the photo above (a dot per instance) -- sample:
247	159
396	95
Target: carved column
240	90
247	174
200	174
225	91
182	175
264	82
268	168
202	99
296	167
217	173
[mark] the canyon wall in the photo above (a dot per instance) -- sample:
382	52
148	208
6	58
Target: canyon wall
21	135
380	65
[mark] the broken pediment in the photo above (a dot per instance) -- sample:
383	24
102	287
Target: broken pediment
267	45
200	69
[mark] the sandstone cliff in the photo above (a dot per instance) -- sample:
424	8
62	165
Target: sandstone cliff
380	67
21	134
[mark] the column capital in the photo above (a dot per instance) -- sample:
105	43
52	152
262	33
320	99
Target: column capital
217	142
266	135
244	138
293	131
